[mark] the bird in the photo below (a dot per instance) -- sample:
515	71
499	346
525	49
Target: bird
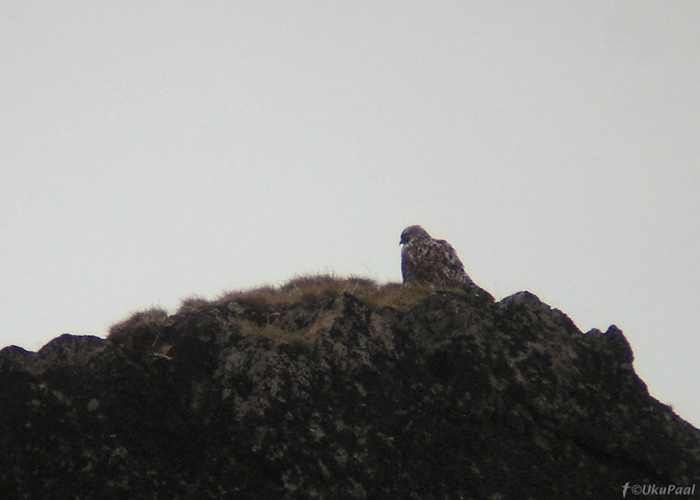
427	260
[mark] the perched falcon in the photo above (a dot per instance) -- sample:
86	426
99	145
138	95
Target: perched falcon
425	259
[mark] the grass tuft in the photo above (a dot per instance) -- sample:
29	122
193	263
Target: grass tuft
140	330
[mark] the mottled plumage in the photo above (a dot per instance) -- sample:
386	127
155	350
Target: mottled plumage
425	259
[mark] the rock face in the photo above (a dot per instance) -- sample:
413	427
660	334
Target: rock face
296	394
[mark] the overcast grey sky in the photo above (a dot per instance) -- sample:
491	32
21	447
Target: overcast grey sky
155	150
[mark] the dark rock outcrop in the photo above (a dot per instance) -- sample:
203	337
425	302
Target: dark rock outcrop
337	396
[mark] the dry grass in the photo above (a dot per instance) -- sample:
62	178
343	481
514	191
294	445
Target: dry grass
150	319
279	313
283	313
312	289
270	331
140	330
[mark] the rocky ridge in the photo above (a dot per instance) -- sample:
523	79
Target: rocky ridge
338	389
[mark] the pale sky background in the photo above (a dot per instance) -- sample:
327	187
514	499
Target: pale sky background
155	150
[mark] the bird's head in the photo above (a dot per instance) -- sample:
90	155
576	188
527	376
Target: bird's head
412	233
